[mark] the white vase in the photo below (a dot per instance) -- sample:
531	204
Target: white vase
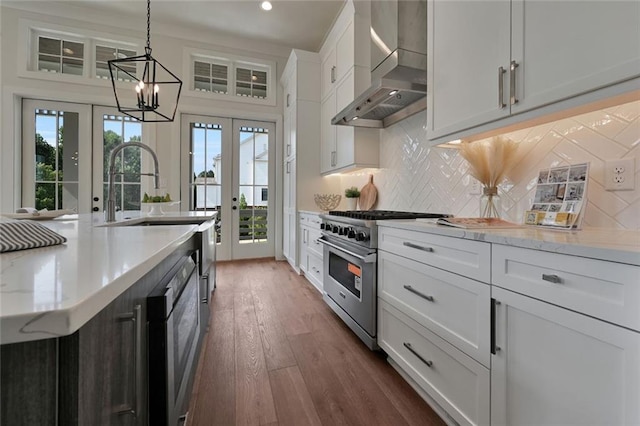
352	203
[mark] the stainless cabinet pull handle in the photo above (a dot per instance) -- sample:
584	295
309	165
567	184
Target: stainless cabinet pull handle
552	278
514	65
136	318
333	158
288	149
501	72
333	74
416	292
288	167
288	97
342	294
426	362
416	246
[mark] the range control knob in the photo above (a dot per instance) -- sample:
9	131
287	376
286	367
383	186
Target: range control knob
322	226
351	233
343	231
361	236
335	229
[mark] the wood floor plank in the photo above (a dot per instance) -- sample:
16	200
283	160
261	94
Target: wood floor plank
294	406
275	345
254	401
215	395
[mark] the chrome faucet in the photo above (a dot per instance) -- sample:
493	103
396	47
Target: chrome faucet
111	201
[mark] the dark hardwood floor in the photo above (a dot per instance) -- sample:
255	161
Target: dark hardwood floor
276	354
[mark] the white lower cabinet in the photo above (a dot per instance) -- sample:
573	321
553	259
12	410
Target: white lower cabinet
311	256
552	339
456	382
552	366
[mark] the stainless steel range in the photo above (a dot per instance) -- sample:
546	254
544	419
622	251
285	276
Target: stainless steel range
350	241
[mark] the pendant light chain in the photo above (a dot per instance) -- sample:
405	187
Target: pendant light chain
148	48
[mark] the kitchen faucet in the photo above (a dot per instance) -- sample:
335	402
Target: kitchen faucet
111	201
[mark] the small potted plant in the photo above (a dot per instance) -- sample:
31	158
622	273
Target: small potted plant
352	195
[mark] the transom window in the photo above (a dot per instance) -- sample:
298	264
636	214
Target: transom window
210	77
57	55
106	53
235	77
251	82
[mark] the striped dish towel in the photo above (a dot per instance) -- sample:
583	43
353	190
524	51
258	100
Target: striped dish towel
26	234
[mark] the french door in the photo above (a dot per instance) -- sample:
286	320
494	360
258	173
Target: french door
59	158
230	170
56	155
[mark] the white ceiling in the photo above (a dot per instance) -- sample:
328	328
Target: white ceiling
301	24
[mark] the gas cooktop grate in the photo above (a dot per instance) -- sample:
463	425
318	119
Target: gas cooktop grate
385	214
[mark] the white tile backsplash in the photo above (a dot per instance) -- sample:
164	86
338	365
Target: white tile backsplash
416	177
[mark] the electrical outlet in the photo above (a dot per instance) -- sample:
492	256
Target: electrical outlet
619	175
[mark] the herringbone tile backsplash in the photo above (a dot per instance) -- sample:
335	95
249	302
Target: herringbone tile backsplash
416	177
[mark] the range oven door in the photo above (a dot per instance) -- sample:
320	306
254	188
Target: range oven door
350	282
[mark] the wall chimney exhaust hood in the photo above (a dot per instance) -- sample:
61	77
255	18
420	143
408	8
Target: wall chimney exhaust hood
398	63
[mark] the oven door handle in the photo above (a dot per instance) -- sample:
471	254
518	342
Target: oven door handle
370	258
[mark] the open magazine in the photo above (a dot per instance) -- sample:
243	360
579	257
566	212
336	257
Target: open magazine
477	222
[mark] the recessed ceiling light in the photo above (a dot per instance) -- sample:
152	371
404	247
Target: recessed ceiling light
266	5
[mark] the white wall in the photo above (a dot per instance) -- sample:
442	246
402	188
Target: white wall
416	177
168	45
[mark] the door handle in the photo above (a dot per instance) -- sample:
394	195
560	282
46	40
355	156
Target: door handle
333	74
514	99
234	208
494	307
501	72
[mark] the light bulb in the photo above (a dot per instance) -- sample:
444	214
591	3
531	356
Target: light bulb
266	5
156	88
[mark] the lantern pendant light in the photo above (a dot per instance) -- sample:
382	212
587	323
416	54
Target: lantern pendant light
155	92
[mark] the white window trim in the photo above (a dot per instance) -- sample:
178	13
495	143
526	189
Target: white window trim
29	31
190	55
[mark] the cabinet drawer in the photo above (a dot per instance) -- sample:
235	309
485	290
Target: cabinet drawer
602	289
453	307
464	257
312	243
314	271
456	382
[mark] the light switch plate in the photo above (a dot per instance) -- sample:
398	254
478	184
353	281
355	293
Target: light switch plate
620	174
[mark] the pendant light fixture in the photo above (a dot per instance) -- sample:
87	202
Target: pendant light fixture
154	95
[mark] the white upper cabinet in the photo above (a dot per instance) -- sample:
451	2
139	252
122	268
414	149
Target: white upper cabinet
468	43
490	61
571	47
346	74
339	59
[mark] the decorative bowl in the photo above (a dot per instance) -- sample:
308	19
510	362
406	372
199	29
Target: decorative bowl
327	202
155	209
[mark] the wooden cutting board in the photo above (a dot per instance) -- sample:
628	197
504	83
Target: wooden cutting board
368	195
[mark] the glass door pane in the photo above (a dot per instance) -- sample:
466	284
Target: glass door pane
253	177
116	130
54	156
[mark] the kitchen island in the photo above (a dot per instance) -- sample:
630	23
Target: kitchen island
73	320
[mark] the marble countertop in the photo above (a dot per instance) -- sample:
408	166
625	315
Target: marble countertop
617	245
53	291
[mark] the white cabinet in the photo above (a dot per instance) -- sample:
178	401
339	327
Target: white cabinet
339	60
311	254
434	317
504	335
555	366
493	60
567	345
346	74
301	144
